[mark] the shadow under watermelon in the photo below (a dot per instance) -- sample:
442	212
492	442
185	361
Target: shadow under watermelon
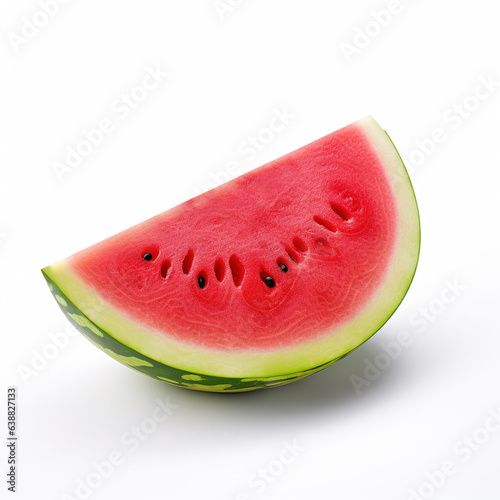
335	387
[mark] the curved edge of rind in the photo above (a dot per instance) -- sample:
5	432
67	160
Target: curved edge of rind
153	368
401	177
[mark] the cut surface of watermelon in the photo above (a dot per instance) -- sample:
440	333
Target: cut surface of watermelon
261	281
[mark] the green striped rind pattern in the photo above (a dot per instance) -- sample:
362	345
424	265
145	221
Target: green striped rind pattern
160	371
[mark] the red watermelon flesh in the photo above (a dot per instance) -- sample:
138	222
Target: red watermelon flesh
281	257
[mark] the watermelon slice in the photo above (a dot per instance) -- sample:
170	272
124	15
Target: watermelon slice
261	281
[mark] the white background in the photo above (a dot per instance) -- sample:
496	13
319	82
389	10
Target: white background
227	74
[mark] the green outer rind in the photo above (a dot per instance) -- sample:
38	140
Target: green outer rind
171	375
220	372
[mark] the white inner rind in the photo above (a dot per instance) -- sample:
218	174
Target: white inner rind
270	363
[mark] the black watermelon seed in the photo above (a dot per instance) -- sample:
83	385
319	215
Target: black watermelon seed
283	268
269	282
147	256
201	281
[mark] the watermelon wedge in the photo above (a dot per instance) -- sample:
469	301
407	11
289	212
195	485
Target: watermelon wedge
261	281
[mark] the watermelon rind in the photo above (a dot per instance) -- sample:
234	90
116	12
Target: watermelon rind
160	371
